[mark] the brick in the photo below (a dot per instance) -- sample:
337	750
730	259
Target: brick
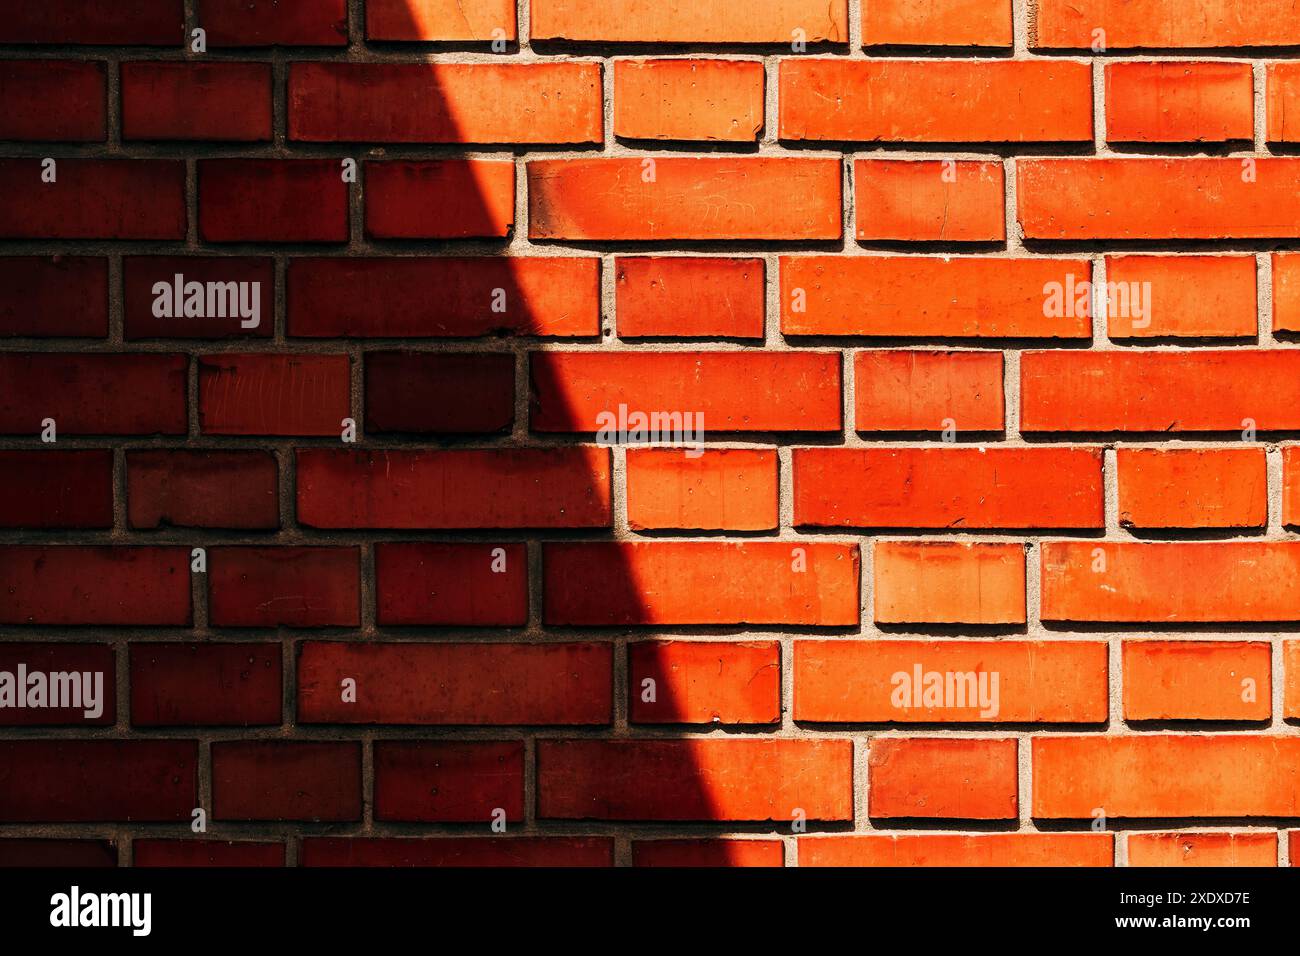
1187	296
929	200
1159	24
948	488
205	685
612	584
985	23
1179	102
284	587
478	585
94	199
935	101
1282	85
101	394
251	300
927	391
731	489
95	585
82	854
1166	775
440	199
912	296
1216	198
98	22
83	675
1197	680
1165	582
202	489
952	778
52	100
489	103
76	781
707	100
423	781
958	849
489	488
430	393
1183	391
205	853
1286	292
259	23
491	851
286	780
53	296
194	100
875	681
685	297
741	779
687	198
1291	486
446	683
56	489
1291	682
707	853
1202	849
272	200
939	582
445	21
249	394
720	391
705	21
389	298
704	682
1193	488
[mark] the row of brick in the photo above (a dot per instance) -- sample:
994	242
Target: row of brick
669	682
649	199
654	99
1146	296
1055	24
610	584
751	779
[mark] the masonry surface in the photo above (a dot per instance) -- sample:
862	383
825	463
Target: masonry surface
367	587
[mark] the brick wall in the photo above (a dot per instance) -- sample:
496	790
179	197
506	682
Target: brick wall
976	567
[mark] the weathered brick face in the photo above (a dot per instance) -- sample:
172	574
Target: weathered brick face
966	328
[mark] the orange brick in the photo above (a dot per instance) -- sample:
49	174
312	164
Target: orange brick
440	20
704	682
1283	92
689	297
1166	775
958	849
952	778
609	584
939	582
731	489
1171	581
928	391
688	99
929	200
440	199
678	197
948	488
1197	680
700	21
1193	488
1286	292
1037	681
1179	102
930	297
937	23
1202	849
707	853
1291	681
1160	391
936	101
1215	198
1194	296
1157	24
